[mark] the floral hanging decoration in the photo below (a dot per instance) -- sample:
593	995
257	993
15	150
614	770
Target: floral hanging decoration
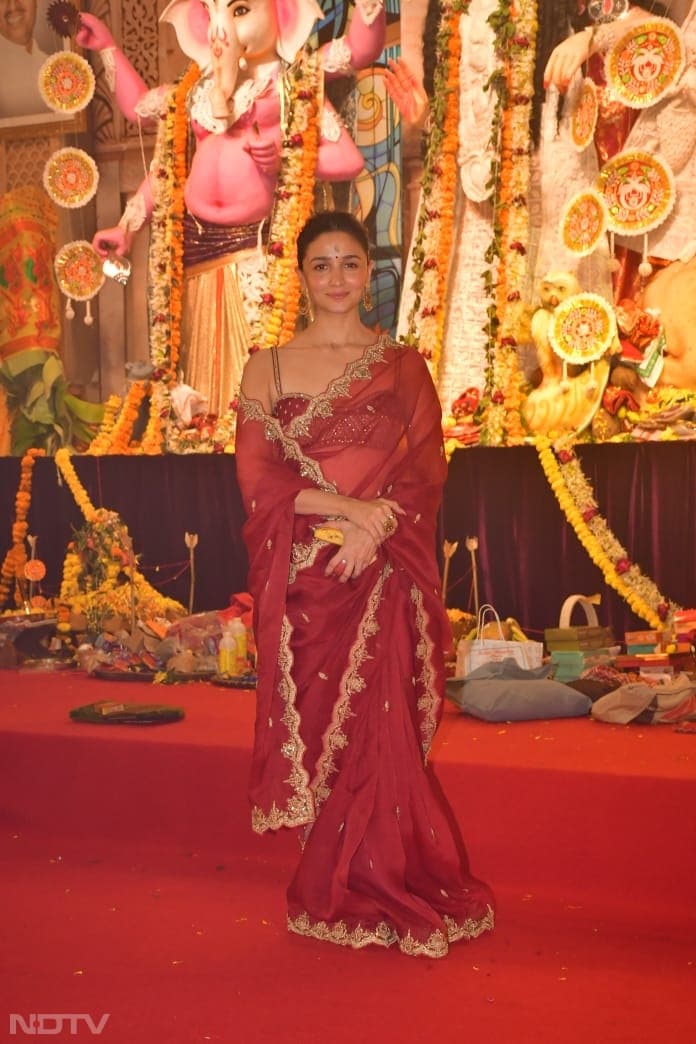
577	501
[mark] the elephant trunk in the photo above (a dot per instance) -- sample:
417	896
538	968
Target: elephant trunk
226	52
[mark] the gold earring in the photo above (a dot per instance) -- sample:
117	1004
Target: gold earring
367	298
304	306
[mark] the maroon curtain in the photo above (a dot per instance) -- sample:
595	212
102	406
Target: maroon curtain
529	558
159	499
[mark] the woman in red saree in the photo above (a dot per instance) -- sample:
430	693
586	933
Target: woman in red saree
341	429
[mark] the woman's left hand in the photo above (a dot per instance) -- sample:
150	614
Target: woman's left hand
355	554
378	517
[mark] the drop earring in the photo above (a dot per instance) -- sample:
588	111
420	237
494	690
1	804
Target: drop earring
367	298
304	306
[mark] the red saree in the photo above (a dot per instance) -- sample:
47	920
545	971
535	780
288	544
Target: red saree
351	676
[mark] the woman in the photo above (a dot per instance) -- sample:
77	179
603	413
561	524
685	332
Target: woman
343	430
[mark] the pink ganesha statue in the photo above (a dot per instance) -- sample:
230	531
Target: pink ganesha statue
230	111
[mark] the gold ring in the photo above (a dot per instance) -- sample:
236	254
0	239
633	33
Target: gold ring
389	524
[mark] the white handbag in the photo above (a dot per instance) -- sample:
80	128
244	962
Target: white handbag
473	652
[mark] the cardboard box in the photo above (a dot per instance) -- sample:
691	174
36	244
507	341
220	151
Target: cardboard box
582	638
642	637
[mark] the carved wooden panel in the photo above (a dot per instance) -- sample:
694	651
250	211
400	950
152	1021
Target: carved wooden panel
135	28
24	161
140	43
150	47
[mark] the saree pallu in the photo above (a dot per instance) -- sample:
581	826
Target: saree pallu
351	676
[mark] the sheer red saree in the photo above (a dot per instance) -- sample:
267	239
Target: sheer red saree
351	676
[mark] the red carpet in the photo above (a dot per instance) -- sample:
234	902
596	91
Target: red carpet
133	885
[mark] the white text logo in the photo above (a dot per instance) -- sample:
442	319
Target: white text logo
52	1025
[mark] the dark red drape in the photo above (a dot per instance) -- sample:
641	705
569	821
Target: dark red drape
529	558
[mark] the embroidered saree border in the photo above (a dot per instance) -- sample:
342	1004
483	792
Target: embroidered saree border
251	409
359	369
299	808
303	556
351	682
428	703
435	946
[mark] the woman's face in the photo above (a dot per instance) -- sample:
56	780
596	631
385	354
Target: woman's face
17	19
335	271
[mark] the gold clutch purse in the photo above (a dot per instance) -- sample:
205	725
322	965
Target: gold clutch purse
328	534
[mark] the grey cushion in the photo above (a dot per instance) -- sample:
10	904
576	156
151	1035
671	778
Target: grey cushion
506	692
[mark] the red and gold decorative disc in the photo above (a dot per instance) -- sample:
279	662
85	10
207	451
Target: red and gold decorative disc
584	222
638	191
66	82
584	118
582	328
645	62
79	270
70	177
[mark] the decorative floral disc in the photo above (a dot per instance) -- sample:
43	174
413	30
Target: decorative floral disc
34	570
645	62
584	118
70	177
638	191
582	328
584	222
63	17
79	270
66	82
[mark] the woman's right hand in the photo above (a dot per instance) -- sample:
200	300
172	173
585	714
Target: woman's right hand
378	517
355	554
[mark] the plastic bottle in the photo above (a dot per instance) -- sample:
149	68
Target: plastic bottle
232	650
227	652
239	632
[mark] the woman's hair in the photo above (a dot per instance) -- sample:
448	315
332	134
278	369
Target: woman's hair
330	221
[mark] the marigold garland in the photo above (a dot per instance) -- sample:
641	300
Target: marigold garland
99	574
65	467
435	221
516	28
166	257
576	499
294	198
160	408
122	434
100	578
167	229
515	25
102	440
16	558
116	433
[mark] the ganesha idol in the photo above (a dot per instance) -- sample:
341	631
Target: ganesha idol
235	101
